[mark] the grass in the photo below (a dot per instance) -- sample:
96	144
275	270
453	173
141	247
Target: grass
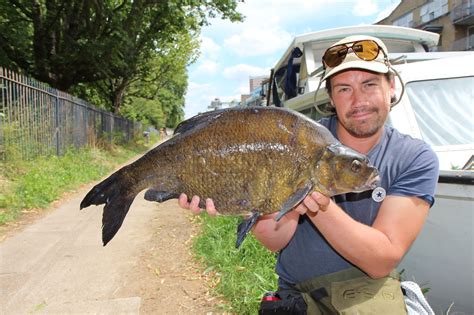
35	184
241	275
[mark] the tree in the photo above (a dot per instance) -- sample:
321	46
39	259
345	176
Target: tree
110	52
65	43
161	81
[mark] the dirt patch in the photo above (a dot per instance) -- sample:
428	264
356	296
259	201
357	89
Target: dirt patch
167	278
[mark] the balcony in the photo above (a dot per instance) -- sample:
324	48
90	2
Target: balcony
463	44
463	14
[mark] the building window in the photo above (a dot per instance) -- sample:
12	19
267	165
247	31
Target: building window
433	10
405	21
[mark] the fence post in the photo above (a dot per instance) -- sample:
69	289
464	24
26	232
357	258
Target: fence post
1	134
56	115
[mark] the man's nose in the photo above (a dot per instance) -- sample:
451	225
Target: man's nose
359	96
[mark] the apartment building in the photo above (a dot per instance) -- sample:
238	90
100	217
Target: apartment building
452	19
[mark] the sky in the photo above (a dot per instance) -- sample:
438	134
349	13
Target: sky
230	53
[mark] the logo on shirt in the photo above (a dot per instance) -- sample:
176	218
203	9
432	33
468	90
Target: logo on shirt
378	194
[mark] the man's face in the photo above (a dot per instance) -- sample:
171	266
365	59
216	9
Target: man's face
362	101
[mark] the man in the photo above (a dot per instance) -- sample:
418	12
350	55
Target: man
341	252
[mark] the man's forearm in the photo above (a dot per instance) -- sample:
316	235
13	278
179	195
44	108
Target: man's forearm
276	235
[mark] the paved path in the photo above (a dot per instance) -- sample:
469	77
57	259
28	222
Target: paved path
58	265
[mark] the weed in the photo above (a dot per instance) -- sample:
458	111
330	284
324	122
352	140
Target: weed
36	183
241	275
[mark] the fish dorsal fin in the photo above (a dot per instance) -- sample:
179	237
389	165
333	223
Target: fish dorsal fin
301	192
198	120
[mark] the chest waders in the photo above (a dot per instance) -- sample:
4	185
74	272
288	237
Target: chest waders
352	292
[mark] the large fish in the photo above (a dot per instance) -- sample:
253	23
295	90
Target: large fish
250	161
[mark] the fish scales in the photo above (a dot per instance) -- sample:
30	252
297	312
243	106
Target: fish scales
250	161
257	157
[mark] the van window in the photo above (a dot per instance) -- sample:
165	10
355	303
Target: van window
444	110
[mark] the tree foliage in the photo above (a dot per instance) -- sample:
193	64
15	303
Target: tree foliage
104	47
163	82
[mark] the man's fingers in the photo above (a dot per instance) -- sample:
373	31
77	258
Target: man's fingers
183	201
311	204
322	200
211	209
194	205
301	208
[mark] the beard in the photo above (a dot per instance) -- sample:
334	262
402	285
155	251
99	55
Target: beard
366	127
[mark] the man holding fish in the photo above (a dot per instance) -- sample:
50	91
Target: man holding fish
339	254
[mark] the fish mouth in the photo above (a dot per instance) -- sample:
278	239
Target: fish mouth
374	180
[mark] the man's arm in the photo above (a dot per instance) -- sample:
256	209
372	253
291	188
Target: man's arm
276	235
375	249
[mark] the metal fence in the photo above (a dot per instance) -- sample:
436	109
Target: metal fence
36	119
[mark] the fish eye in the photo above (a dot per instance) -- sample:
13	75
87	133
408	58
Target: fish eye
356	166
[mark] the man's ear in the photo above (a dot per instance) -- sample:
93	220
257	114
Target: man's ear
393	95
331	102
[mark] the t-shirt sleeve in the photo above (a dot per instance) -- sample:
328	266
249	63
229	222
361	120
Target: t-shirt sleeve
420	176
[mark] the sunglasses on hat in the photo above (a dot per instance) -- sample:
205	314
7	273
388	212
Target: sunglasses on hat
366	50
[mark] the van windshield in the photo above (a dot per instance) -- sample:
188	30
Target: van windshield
444	110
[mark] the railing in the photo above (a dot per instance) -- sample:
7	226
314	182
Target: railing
465	43
462	12
36	119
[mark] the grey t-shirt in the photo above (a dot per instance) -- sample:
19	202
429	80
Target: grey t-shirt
407	167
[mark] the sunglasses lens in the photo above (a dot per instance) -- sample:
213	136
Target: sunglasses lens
335	55
366	50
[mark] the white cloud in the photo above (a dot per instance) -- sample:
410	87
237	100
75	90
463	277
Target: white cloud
241	71
264	30
365	8
206	67
238	76
198	97
209	48
385	13
264	10
256	41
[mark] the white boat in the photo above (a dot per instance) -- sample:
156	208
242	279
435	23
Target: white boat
437	106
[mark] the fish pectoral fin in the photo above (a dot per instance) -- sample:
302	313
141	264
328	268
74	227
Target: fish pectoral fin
244	228
301	192
159	196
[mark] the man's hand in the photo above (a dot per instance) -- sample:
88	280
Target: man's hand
313	203
194	204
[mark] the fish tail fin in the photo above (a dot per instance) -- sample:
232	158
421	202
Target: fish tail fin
114	213
104	191
115	192
244	228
